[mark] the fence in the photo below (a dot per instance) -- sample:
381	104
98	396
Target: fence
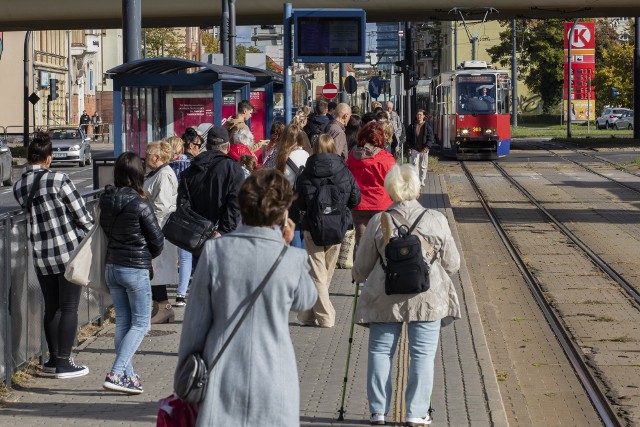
21	304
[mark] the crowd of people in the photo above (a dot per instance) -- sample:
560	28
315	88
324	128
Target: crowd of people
315	178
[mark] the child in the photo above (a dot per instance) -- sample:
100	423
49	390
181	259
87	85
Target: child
248	164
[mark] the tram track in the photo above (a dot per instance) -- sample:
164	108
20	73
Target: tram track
573	352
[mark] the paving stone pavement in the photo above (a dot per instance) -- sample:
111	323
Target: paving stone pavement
465	388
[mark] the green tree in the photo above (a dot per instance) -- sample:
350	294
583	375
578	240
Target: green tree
211	44
241	53
540	62
615	69
171	38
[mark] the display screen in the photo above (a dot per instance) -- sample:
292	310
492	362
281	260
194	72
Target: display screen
329	38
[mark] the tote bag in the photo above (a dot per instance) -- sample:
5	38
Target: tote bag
86	266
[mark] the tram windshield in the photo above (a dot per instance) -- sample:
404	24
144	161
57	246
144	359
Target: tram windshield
476	94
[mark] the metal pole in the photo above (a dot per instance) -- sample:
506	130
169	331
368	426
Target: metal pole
455	45
288	18
6	300
569	74
224	32
25	129
514	77
589	105
131	29
341	76
232	32
144	50
474	42
636	82
328	75
162	51
69	82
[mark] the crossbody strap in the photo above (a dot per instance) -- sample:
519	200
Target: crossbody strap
37	176
254	298
431	252
293	166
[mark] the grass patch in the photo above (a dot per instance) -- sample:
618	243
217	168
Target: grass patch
549	394
518	319
604	319
591	301
620	339
538	364
560	131
501	376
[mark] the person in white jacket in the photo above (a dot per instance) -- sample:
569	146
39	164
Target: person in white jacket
161	186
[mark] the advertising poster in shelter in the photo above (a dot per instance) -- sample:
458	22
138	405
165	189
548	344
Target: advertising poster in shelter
583	67
191	110
259	116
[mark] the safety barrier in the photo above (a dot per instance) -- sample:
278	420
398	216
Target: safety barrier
21	303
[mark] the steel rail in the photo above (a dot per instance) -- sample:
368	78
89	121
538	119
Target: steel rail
604	266
573	353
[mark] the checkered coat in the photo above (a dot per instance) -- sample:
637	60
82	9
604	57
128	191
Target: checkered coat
58	216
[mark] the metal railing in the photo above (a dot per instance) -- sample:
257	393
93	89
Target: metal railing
21	303
104	131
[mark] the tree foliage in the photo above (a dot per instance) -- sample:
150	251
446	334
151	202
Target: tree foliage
615	70
211	44
540	56
171	38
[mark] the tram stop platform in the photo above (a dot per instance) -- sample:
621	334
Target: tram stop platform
466	391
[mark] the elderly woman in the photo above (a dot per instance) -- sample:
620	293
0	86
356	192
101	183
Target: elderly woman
161	185
424	313
241	144
268	393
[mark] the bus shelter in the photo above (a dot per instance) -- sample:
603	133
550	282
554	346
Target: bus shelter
155	98
263	91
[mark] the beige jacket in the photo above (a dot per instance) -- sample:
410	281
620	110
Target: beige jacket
440	302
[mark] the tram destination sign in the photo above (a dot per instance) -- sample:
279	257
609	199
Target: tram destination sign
329	35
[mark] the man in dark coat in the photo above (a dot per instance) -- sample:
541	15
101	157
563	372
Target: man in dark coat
419	140
213	181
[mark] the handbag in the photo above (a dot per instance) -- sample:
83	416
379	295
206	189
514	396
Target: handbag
345	258
187	229
86	266
193	374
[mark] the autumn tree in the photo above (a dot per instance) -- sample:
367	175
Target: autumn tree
616	69
168	42
211	44
540	61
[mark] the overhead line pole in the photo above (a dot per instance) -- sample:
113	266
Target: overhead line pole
25	129
514	77
636	82
569	74
287	22
224	32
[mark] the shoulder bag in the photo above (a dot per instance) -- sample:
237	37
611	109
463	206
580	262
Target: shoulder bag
193	374
187	229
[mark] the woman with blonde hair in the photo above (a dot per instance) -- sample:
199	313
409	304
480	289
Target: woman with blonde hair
323	233
300	120
177	146
388	136
161	185
291	160
424	313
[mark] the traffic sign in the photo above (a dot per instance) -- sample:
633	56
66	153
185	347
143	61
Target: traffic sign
329	91
375	87
350	85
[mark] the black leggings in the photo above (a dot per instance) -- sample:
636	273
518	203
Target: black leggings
61	300
159	293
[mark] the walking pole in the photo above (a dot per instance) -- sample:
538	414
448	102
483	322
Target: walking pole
341	411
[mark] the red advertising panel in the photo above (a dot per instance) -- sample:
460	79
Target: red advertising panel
259	116
192	111
582	97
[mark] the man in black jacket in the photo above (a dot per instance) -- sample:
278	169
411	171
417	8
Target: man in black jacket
419	140
213	183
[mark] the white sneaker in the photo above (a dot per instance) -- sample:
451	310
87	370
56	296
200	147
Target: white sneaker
377	420
418	422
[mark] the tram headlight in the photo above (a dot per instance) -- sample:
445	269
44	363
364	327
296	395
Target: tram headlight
464	132
489	132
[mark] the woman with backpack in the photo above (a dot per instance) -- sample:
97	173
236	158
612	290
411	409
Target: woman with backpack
291	160
327	192
384	310
369	163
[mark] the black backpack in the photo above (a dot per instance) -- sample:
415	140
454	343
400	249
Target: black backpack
406	272
326	216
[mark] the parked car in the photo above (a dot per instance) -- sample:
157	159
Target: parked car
70	145
6	160
609	117
625	121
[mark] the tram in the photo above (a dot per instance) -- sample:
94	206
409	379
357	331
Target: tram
470	111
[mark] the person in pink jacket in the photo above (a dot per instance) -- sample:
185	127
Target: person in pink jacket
369	163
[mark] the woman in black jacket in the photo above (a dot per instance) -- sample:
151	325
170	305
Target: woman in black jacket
134	239
326	193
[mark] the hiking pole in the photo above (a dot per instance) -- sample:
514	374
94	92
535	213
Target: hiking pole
341	411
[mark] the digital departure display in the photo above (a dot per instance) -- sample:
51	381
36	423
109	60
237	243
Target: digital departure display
329	38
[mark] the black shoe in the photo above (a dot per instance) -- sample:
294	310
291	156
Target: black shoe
66	368
49	367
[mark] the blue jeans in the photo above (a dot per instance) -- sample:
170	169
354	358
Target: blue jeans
131	294
298	241
423	343
185	272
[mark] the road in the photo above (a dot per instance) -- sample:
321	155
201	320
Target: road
81	177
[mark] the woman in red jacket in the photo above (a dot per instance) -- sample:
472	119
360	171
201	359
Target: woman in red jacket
369	163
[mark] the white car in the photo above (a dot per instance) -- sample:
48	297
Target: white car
609	116
70	145
625	121
6	161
